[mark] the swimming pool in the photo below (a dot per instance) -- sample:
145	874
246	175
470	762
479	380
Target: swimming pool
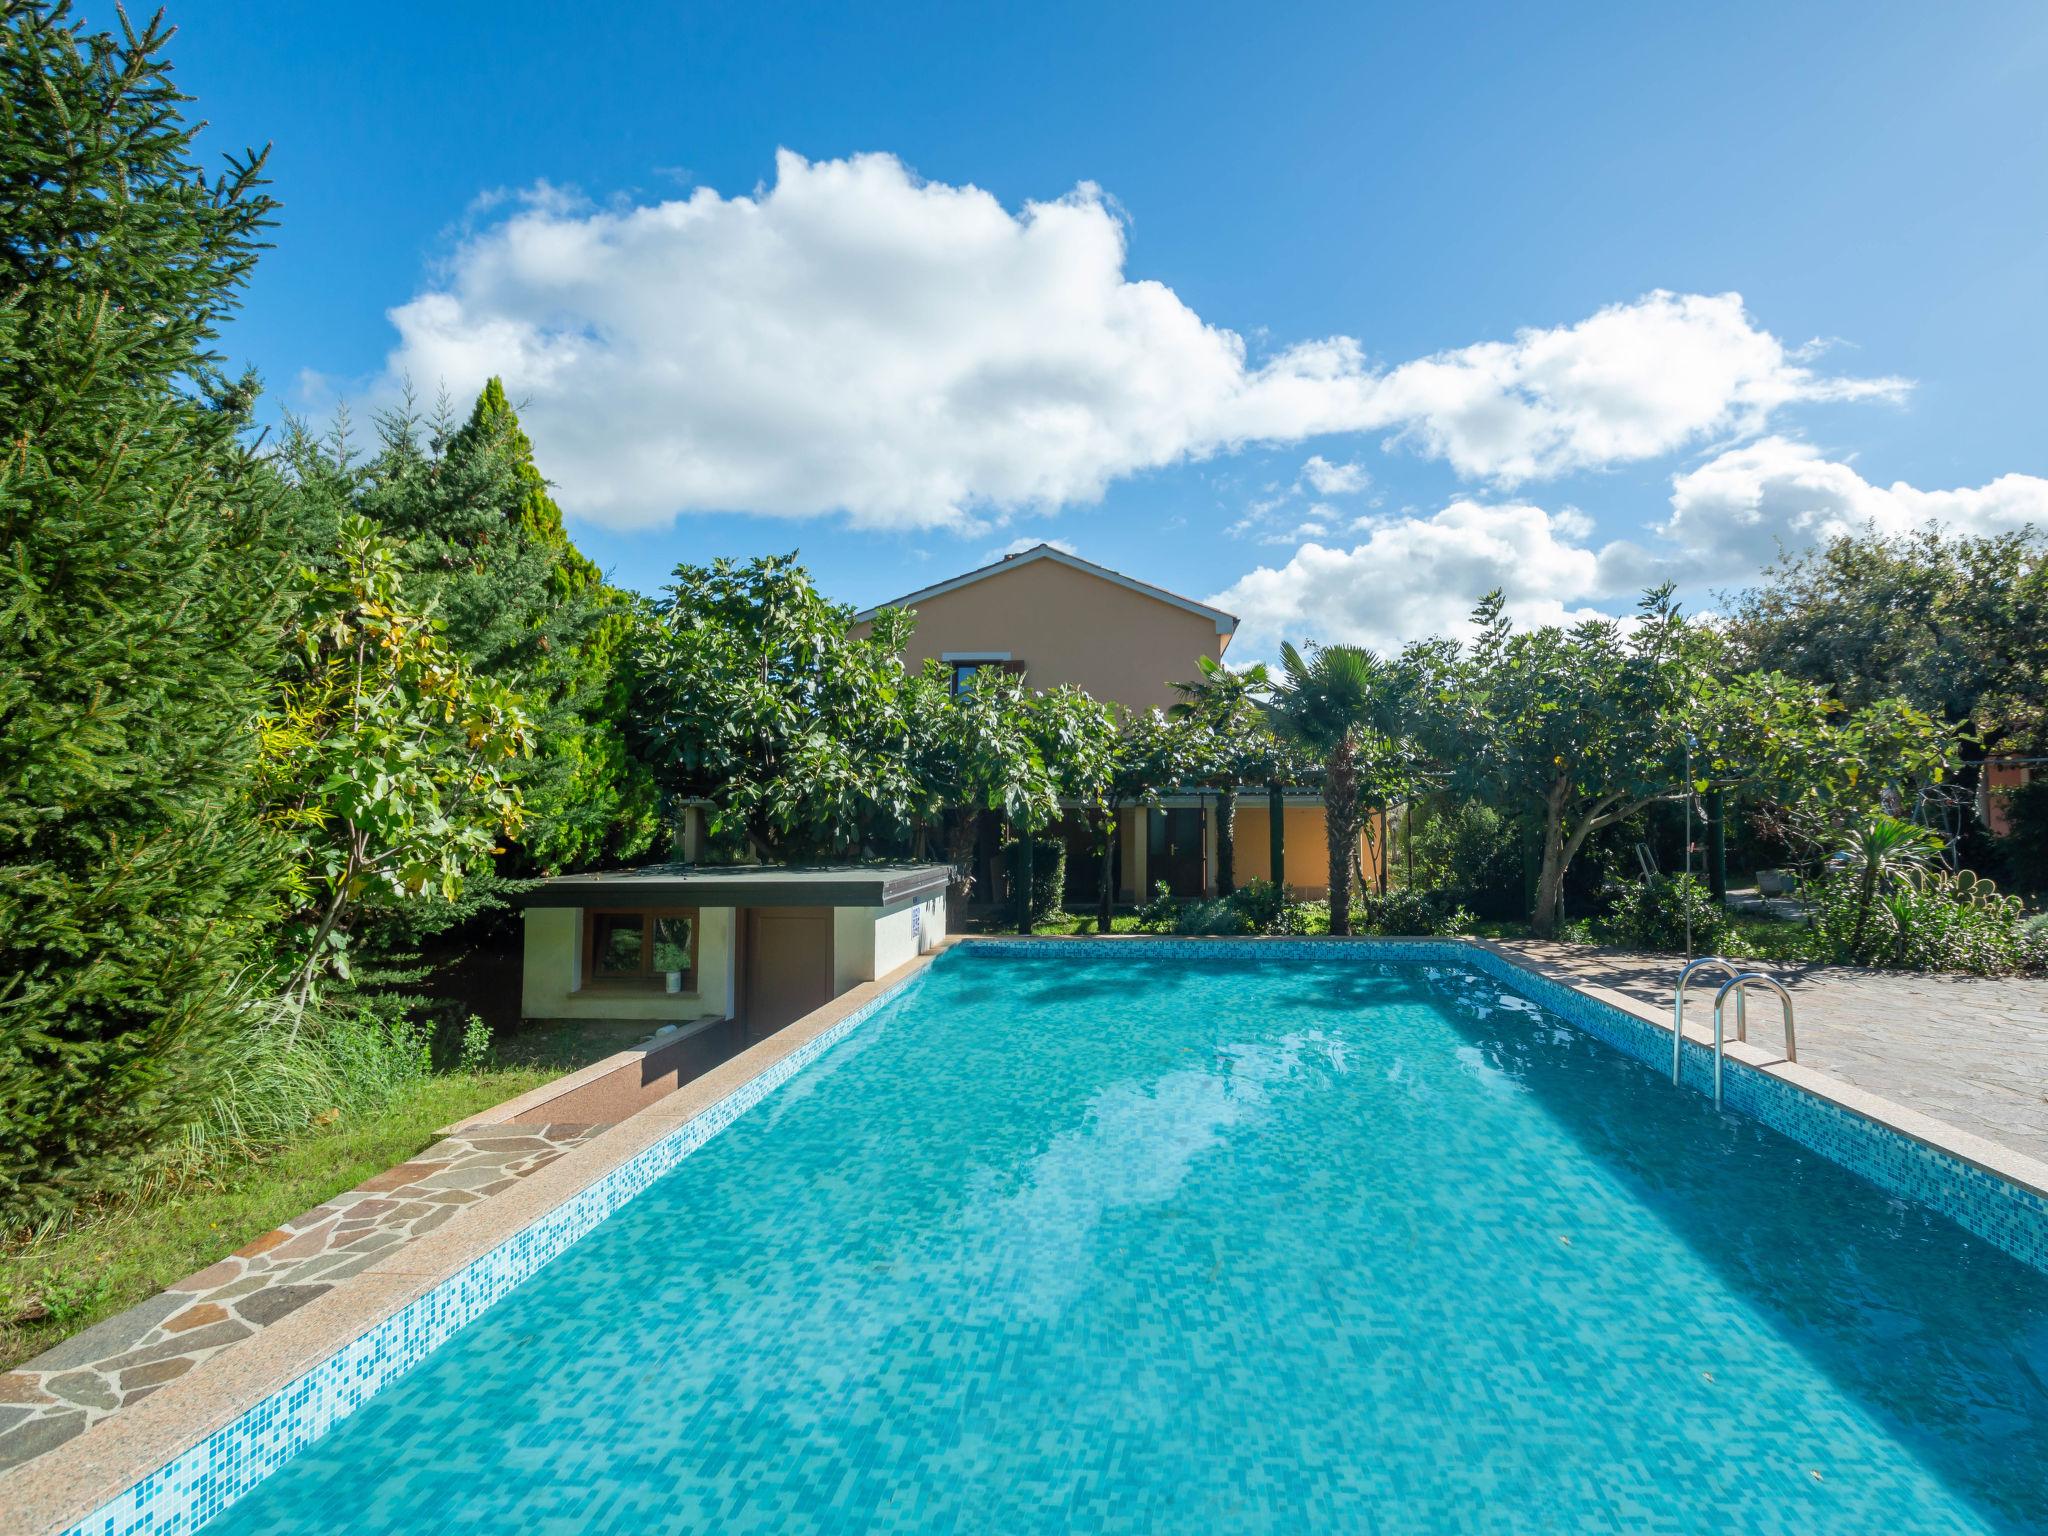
1208	1240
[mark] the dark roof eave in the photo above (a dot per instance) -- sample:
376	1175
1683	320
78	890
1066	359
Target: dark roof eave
745	886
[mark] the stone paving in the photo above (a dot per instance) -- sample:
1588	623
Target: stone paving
1970	1051
123	1359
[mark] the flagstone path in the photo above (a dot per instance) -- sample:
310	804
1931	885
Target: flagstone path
119	1361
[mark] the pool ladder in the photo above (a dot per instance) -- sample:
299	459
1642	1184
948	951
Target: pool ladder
1739	982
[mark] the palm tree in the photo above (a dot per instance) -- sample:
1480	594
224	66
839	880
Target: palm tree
1327	701
1880	851
1236	745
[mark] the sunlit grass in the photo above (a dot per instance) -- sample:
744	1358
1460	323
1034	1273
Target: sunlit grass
60	1279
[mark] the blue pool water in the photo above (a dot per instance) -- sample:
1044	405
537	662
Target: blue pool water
1136	1243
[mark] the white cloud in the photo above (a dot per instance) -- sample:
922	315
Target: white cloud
854	339
1734	513
1417	576
1334	479
1633	382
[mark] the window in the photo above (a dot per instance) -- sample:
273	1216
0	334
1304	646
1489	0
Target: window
965	667
641	947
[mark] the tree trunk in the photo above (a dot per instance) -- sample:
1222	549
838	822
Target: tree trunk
1866	898
1276	835
1549	911
1717	842
960	838
1105	834
1340	823
1226	841
309	973
1024	881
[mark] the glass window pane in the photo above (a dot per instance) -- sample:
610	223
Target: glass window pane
672	945
616	943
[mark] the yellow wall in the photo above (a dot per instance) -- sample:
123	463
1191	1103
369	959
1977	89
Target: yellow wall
1068	626
1308	853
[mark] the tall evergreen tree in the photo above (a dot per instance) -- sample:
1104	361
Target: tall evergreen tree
494	426
483	547
604	803
136	605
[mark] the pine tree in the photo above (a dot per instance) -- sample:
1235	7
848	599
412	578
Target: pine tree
136	606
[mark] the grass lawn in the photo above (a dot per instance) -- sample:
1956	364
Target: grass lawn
1119	922
1004	922
1783	940
54	1283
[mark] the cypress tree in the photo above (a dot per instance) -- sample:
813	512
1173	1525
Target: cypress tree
603	802
136	606
493	426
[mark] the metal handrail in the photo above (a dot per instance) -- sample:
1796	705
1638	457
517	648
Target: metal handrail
1740	987
1678	1004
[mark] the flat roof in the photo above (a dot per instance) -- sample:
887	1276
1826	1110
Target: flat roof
743	885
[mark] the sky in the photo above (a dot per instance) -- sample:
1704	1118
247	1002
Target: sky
1336	316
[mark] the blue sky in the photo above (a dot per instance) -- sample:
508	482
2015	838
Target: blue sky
1475	261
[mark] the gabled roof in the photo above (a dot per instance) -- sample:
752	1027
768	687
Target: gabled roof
1226	623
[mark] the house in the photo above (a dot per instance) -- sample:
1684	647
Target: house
1051	617
763	944
2004	775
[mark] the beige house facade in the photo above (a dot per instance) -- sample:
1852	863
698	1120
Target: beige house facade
1053	618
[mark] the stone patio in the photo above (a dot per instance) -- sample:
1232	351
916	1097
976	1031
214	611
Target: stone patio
1969	1051
125	1358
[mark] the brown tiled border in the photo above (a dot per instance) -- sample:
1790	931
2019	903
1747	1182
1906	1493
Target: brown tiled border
55	1491
560	1087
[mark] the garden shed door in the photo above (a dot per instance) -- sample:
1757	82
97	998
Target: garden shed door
789	965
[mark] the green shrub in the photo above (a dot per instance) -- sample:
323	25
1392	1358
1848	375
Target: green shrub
1934	921
294	1070
1272	909
1414	913
1161	912
1218	917
1655	915
476	1045
1473	854
1048	878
